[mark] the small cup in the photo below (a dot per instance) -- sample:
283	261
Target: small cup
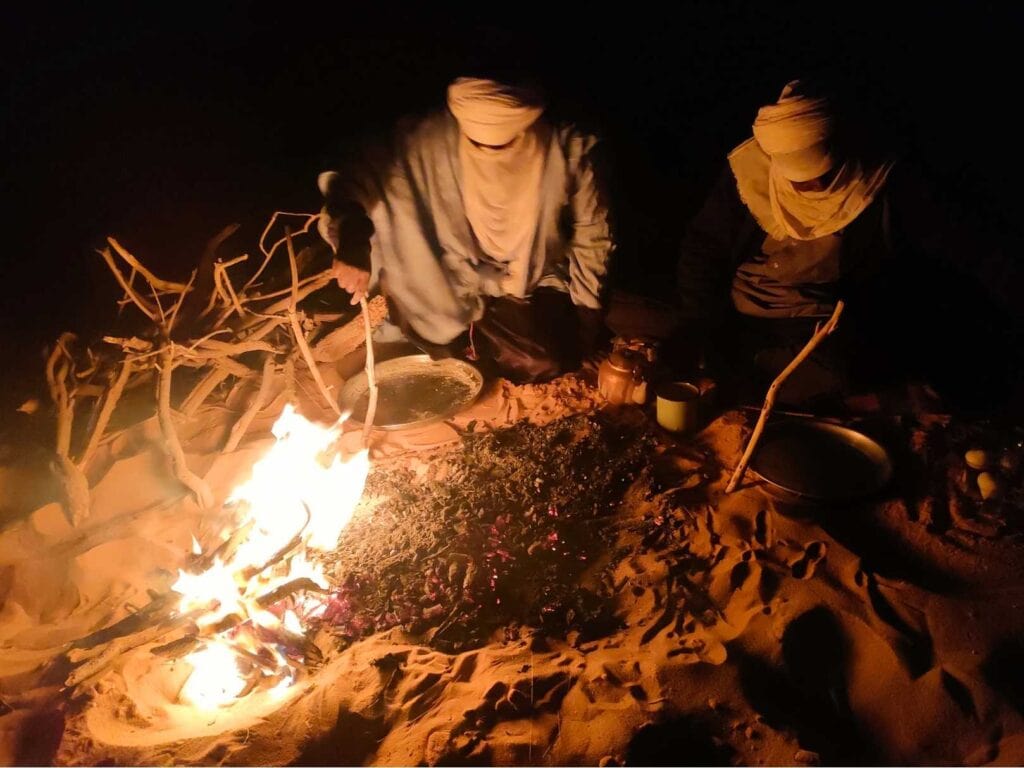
677	406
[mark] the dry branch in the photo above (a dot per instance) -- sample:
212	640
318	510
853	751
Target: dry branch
371	378
106	411
196	484
213	379
156	282
769	400
143	305
242	425
300	338
347	338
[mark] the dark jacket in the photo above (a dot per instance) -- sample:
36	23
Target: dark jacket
919	282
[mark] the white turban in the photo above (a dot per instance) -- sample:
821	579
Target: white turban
795	133
490	112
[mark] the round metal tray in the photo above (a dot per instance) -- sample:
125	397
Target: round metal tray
821	461
413	391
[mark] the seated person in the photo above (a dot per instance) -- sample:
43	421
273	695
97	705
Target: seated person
806	214
486	228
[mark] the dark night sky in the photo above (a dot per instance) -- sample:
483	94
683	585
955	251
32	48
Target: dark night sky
161	125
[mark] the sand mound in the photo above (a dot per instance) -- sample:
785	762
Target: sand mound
544	581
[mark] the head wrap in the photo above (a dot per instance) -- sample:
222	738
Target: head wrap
795	132
791	145
501	180
490	112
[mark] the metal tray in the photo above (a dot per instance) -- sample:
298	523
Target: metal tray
413	391
820	461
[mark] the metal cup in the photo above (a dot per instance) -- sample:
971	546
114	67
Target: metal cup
678	406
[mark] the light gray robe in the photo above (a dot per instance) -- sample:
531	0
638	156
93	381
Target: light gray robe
435	270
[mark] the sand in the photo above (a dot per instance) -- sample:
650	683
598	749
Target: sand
747	629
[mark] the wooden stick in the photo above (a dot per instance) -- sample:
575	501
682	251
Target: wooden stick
348	337
156	282
137	300
267	254
371	378
203	390
196	484
181	300
242	425
229	288
307	286
113	395
56	380
769	401
300	338
74	486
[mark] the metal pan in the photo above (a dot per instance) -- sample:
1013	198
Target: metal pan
820	461
413	391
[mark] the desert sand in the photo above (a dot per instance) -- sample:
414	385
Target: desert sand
566	584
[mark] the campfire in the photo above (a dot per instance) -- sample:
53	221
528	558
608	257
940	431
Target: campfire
258	589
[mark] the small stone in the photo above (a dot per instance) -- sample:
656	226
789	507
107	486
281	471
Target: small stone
976	458
988	484
806	757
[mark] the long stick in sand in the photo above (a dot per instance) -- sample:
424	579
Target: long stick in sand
769	400
371	378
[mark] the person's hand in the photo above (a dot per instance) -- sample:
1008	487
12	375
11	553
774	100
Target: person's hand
352	279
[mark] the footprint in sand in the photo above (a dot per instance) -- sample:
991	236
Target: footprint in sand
804	565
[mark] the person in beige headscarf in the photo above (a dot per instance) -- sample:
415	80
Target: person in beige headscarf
803	215
485	226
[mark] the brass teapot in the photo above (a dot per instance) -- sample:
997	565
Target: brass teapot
623	376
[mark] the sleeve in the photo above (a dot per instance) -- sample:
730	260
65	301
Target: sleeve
707	254
349	193
344	223
592	244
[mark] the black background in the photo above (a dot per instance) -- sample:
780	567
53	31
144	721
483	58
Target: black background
160	124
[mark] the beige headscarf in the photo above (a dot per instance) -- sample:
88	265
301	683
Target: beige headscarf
791	144
501	181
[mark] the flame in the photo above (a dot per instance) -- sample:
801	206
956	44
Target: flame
300	495
215	679
216	589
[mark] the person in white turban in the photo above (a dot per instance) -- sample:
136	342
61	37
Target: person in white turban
485	225
802	216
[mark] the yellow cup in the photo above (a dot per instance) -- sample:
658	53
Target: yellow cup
678	406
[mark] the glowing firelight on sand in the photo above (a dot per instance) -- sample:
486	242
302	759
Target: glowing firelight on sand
301	493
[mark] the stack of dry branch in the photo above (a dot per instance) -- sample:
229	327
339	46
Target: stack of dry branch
224	332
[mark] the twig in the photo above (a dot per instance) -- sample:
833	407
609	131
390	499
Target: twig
769	401
164	285
190	480
242	425
137	300
159	308
306	286
113	395
56	379
300	338
371	378
222	272
203	390
181	300
267	254
287	589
